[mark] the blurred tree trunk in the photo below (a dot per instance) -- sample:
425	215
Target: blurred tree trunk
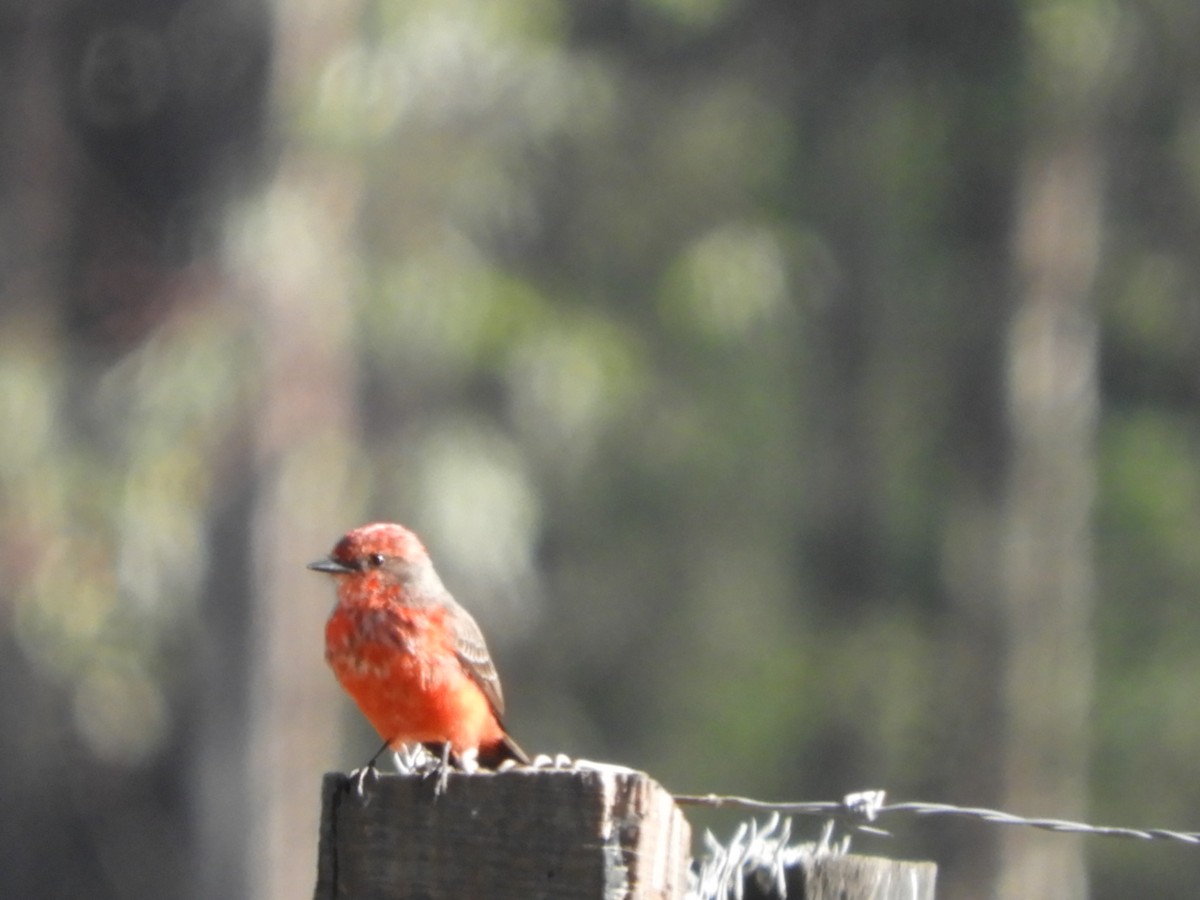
299	239
1052	392
972	634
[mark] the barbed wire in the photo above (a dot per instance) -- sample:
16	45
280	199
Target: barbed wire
856	811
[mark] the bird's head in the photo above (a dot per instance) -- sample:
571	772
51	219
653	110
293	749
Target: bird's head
383	554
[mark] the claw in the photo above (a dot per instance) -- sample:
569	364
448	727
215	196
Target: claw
468	760
558	761
358	779
443	771
412	759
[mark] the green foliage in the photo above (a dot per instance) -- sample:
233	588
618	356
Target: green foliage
678	328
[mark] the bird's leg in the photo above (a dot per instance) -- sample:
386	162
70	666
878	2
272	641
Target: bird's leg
359	776
378	753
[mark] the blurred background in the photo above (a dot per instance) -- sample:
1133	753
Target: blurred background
802	396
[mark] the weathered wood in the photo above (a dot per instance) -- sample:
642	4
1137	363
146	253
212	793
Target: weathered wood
853	877
591	834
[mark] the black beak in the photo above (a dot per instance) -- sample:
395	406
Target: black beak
330	567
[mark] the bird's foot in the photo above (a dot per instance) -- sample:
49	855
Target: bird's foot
447	762
358	779
560	762
414	759
557	761
468	761
442	768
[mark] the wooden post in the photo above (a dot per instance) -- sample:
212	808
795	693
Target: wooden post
770	867
854	877
594	833
590	833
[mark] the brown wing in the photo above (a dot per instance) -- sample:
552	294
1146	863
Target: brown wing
472	651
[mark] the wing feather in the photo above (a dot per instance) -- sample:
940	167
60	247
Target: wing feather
472	652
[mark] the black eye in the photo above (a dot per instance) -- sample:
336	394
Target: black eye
375	560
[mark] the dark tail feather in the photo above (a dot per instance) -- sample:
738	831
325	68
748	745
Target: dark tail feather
490	757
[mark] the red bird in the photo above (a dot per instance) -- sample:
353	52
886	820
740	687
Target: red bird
414	660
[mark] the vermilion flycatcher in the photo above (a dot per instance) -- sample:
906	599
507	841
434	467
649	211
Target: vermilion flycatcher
414	660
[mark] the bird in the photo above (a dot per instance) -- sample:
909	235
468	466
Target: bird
413	660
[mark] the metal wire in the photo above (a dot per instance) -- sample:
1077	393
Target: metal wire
856	810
